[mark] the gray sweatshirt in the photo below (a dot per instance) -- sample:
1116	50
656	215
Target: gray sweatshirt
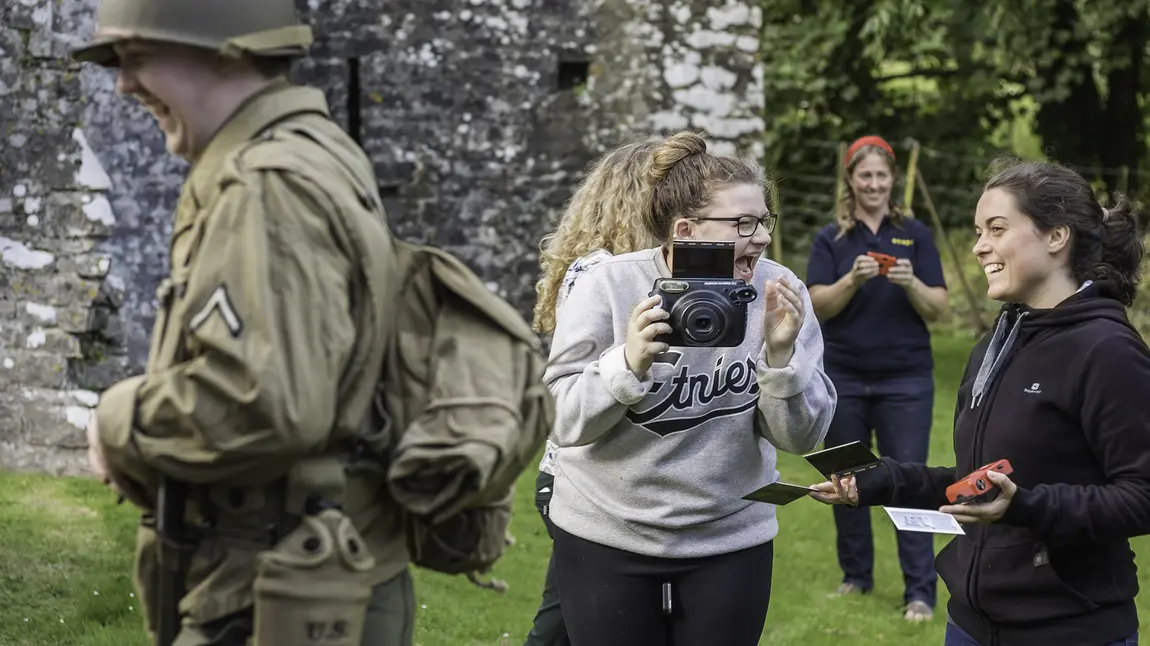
659	466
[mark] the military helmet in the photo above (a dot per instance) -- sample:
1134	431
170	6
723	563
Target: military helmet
231	27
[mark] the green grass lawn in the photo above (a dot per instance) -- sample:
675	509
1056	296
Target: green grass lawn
65	551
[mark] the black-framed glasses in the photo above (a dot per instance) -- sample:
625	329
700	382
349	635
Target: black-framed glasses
748	224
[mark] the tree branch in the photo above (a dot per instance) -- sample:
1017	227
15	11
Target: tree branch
941	72
920	73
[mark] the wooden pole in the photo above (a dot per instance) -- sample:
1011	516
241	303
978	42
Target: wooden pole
841	156
975	309
777	235
911	172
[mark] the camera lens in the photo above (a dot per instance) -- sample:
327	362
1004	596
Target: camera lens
703	322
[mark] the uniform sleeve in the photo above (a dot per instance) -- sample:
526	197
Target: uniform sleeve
927	262
796	402
821	263
267	331
588	374
1115	387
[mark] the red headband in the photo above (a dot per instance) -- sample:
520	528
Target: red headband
869	140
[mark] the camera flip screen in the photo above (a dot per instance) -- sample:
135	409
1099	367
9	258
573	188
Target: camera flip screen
702	259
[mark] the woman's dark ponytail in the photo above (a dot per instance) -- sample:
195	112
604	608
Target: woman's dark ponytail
1120	263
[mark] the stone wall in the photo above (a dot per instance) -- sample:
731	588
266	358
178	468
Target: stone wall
54	212
479	115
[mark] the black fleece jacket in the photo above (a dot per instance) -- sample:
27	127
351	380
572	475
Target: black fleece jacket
1069	405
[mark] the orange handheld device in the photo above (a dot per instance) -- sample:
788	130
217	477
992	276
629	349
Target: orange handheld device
976	487
885	261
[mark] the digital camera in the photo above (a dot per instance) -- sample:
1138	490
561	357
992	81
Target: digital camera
705	312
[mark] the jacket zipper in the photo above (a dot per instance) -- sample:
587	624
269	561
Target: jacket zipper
980	531
972	573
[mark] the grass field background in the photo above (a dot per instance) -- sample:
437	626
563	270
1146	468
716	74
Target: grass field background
65	551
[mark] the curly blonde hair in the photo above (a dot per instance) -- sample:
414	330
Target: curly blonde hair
629	200
607	211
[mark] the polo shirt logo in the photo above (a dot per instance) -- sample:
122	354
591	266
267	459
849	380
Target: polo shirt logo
906	242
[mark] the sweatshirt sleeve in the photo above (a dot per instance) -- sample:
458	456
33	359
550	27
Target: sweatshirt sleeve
796	402
587	372
1115	386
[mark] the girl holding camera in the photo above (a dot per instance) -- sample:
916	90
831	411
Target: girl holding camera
658	445
1058	388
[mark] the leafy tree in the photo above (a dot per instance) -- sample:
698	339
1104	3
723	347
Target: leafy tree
957	76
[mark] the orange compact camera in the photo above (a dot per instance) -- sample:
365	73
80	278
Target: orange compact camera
885	261
976	487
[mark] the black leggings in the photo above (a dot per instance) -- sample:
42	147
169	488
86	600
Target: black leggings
612	597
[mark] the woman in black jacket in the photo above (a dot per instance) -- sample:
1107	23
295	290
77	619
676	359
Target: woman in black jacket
1061	389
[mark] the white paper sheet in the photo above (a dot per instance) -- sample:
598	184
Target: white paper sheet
923	520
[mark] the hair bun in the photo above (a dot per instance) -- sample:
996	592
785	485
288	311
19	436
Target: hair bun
675	149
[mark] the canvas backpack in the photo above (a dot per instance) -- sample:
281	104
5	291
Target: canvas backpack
460	409
463	399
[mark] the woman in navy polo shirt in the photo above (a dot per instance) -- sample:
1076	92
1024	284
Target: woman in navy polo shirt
874	320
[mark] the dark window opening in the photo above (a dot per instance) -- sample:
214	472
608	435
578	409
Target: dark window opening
572	74
354	101
392	202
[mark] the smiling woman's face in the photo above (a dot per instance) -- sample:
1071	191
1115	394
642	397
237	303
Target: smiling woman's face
1018	259
871	182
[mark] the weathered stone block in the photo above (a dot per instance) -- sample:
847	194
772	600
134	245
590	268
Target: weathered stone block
54	426
8	306
69	214
12	49
18	255
32	171
86	265
20	15
57	290
101	370
80	318
17	456
28	336
30	368
46	431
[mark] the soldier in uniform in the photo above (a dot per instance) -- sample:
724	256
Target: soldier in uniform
268	341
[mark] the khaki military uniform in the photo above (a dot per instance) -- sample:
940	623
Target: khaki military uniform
268	340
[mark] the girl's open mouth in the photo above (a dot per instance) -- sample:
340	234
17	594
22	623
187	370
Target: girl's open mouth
745	266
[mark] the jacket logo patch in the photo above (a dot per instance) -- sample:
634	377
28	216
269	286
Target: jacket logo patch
1035	388
684	391
905	242
219	301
